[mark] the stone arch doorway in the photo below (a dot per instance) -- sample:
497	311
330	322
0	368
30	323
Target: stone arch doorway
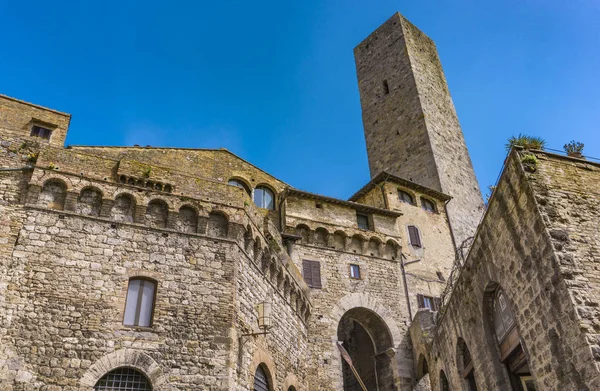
369	343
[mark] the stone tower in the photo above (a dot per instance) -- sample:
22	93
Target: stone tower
410	122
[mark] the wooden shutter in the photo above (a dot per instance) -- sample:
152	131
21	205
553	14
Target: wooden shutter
316	274
420	301
312	273
307	271
437	302
413	234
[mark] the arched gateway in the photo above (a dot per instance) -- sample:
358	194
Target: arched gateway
368	341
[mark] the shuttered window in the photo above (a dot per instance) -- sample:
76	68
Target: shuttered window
413	234
312	273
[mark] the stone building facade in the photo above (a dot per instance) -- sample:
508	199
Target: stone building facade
141	268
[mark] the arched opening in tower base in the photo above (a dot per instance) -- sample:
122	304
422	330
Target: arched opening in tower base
367	339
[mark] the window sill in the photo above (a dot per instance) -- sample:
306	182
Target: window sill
138	328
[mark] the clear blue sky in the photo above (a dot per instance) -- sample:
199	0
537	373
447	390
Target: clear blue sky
274	81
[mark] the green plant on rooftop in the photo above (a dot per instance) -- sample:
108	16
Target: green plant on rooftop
526	142
574	148
529	161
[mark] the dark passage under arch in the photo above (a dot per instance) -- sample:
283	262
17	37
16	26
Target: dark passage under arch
368	341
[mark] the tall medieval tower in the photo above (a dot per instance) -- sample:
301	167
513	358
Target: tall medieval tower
410	122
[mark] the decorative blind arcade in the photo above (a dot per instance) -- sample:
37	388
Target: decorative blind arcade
312	273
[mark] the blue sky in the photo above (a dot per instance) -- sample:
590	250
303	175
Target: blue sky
274	81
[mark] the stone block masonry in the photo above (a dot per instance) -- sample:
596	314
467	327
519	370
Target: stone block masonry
411	126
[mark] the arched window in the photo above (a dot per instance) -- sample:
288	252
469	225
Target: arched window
504	320
406	197
53	195
264	198
428	205
240	184
261	379
291	388
139	307
444	386
465	365
414	236
124	379
511	351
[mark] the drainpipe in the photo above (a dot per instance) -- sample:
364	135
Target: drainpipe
450	225
406	293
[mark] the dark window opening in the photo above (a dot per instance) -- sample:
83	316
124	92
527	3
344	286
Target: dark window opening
41	132
261	380
362	221
440	276
355	272
124	379
414	236
311	271
406	197
386	87
240	184
428	205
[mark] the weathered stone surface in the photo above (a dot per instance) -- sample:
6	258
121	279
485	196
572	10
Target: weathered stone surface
77	223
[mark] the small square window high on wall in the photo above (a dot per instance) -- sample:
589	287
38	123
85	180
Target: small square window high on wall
41	132
363	221
355	271
428	205
433	303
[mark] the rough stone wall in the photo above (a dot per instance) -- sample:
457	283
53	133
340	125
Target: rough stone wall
284	350
535	260
67	287
17	118
412	131
567	193
436	253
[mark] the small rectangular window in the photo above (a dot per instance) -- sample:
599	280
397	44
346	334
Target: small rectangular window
440	276
362	221
428	205
413	236
311	271
139	305
41	132
433	303
355	272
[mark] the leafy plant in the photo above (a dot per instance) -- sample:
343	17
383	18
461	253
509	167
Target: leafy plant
32	157
52	166
573	147
147	172
526	142
489	193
